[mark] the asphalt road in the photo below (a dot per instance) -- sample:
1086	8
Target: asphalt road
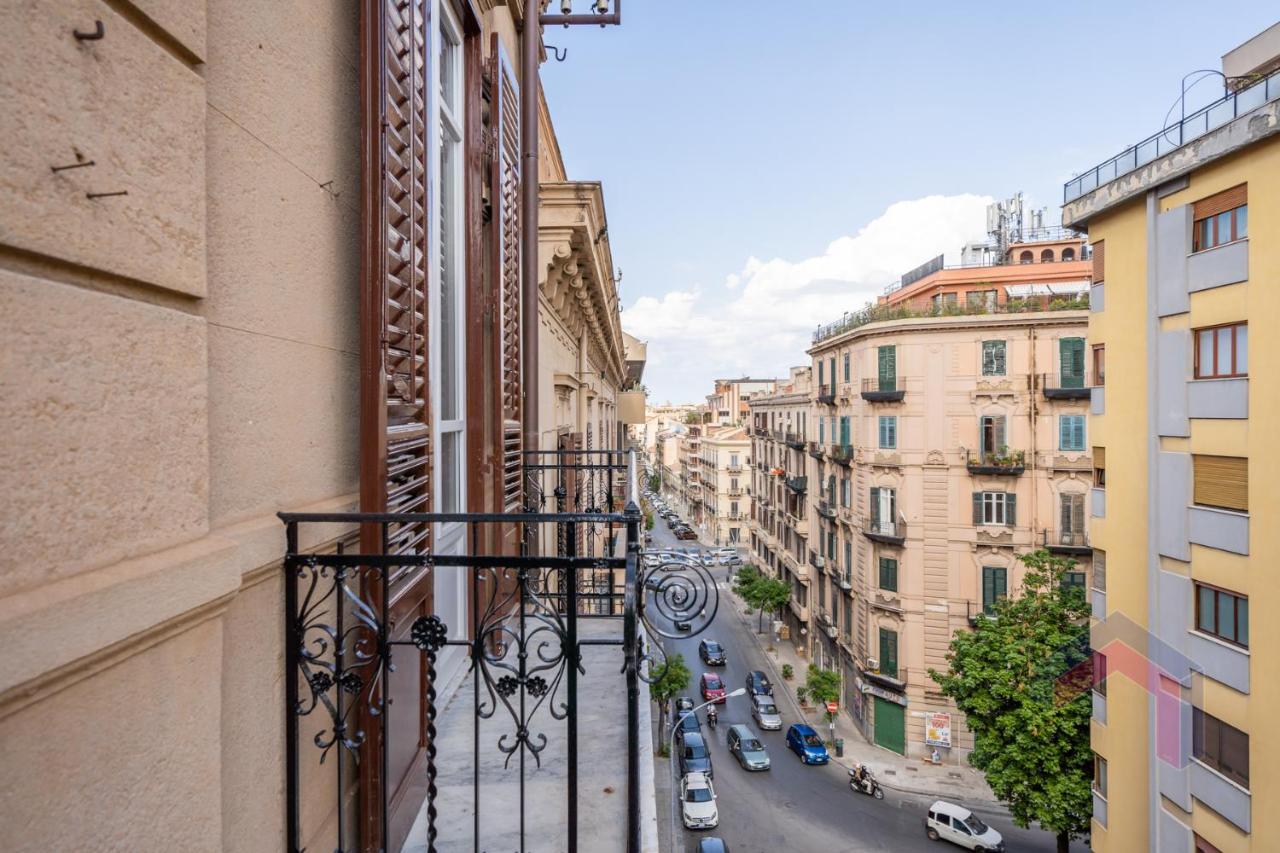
792	807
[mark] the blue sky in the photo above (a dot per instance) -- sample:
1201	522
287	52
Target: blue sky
769	165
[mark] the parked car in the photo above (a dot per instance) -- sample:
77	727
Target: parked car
683	623
686	533
688	724
804	742
712	845
960	826
653	582
672	521
747	748
694	755
766	713
758	684
712	653
712	688
698	802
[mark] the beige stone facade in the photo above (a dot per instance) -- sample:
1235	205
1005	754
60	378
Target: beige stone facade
725	473
941	449
181	362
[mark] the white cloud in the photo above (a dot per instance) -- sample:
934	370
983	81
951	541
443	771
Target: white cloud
761	322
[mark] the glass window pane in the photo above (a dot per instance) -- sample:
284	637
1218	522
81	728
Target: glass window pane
1224	351
449	409
1206	352
1242	622
1227	616
1242	349
1242	222
450	475
1224	226
1206	611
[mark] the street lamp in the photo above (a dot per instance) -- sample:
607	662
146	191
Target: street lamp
671	751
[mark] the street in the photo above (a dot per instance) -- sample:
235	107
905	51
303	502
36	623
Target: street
791	806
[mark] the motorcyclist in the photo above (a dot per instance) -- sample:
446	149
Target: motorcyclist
862	775
712	718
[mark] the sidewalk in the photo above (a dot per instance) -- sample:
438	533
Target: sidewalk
910	776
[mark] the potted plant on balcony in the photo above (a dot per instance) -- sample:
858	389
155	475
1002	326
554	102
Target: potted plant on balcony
788	671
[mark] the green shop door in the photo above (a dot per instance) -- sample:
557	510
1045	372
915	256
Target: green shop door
891	729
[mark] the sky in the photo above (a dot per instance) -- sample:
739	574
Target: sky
768	166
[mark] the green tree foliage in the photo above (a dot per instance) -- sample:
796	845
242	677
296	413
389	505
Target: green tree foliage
648	519
671	678
823	686
760	592
1023	681
655	482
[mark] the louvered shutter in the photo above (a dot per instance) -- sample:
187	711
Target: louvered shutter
875	507
1221	481
505	192
396	441
1099	261
977	508
887	368
1065	519
1011	509
1220	202
1071	362
1100	457
1077	514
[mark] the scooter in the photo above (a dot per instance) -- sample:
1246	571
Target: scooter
712	718
867	785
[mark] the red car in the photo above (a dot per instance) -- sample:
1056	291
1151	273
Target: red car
712	688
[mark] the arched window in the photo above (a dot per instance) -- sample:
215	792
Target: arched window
1046	257
1025	258
1068	254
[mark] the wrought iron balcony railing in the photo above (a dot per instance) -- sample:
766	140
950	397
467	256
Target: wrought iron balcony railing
798	484
1066	385
885	532
815	450
1004	462
1074	543
827	509
357	611
841	454
883	389
826	395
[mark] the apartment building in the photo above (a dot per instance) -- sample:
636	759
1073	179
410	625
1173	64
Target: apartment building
725	473
1183	227
780	429
945	444
727	405
285	256
689	482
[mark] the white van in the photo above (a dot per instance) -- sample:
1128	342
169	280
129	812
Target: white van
961	826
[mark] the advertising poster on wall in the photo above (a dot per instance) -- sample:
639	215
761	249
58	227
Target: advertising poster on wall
937	729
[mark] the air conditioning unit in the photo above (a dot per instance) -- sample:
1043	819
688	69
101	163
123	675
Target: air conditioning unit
819	562
832	631
873	665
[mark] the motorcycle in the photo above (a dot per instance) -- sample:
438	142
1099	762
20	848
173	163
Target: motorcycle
712	718
867	784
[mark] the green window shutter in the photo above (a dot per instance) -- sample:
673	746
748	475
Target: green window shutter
994	586
819	371
888	653
1011	509
1077	513
889	574
1002	440
977	508
846	367
1066	519
822	437
875	505
1071	362
1077	434
888	368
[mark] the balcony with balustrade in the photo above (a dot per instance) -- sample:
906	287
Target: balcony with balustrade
1004	462
883	389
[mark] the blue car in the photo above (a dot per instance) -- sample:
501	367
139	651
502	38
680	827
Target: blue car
804	742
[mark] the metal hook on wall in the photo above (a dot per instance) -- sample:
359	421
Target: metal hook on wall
557	52
99	30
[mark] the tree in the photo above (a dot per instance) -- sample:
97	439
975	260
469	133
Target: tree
1022	680
671	678
760	592
655	482
823	686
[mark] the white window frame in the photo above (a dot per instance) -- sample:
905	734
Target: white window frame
995	509
447	120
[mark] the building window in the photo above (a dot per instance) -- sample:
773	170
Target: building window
1100	775
995	586
1026	258
1223	614
848	372
889	652
1071	363
1220	219
887	368
1100	673
1203	846
1222	351
991	434
450	266
1071	432
1221	481
1099	570
1068	254
980	299
1099	467
1099	261
1220	746
888	432
733	460
1099	364
889	574
993	358
1046	256
994	508
846	431
884	510
1073	580
1071	519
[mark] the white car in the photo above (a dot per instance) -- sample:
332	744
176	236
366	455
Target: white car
960	826
698	802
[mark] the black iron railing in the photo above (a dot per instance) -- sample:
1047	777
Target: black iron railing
354	617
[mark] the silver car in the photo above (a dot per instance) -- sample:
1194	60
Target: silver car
765	712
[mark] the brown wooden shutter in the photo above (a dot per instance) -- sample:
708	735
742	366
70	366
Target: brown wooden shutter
1221	481
505	192
1099	260
395	413
1219	202
1100	457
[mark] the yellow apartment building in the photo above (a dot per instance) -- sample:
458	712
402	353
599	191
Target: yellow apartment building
1183	228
